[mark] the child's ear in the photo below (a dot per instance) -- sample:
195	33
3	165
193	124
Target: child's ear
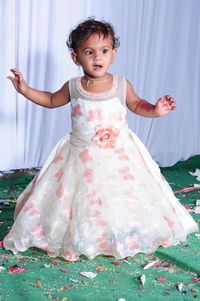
74	58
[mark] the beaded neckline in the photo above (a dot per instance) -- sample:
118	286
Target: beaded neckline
97	96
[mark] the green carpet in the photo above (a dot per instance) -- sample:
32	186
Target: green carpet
33	275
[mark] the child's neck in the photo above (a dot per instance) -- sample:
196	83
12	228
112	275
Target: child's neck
92	81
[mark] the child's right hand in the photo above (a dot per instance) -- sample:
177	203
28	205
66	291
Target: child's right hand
18	81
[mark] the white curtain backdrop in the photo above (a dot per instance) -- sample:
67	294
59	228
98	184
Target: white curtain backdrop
159	54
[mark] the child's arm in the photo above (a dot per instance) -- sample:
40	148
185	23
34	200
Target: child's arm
42	98
144	108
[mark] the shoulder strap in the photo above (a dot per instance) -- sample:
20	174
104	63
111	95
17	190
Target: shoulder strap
72	86
73	90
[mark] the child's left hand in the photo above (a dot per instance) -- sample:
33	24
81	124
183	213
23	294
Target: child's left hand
165	105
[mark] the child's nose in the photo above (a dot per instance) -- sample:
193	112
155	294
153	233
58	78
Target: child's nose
97	56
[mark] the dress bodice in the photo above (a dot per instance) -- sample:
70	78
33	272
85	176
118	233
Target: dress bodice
94	113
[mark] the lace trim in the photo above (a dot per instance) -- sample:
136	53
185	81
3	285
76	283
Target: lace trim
97	96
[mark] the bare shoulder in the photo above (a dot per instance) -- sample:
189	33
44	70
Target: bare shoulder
132	99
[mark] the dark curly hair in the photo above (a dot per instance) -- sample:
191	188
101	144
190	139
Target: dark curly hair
88	27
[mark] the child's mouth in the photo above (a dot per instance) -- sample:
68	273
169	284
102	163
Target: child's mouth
97	67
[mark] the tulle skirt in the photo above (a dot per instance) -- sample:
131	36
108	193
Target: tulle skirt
91	200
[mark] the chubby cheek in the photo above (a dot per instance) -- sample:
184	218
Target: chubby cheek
84	60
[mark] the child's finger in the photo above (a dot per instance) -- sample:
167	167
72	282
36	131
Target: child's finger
10	78
170	101
18	75
16	72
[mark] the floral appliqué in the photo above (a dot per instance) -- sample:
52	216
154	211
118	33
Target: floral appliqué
76	111
38	231
106	137
85	156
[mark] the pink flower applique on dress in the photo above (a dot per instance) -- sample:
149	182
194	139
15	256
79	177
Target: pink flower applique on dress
30	210
106	137
60	192
103	243
38	231
166	242
132	243
93	199
134	247
76	111
129	192
85	156
95	115
70	253
126	173
58	174
121	154
57	158
117	116
88	175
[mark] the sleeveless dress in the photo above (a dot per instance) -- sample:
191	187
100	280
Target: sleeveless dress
99	192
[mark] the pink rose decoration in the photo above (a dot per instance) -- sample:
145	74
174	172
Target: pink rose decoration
106	136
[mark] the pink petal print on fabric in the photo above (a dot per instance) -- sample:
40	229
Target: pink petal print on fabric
85	156
91	195
100	222
124	170
121	154
119	150
38	231
106	137
96	202
57	159
46	247
88	175
132	244
95	214
58	174
70	253
31	210
97	218
134	247
123	157
60	192
128	177
117	116
165	242
103	243
126	173
93	199
76	111
129	192
95	115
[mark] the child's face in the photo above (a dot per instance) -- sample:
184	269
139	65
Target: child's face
95	55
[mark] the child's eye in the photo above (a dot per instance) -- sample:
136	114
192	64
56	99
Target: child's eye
105	50
88	52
